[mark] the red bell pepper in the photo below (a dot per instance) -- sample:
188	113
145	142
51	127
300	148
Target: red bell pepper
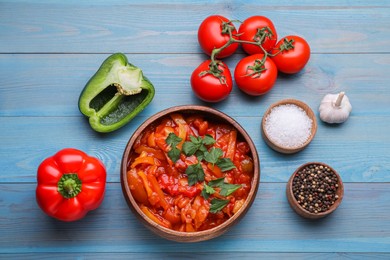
70	184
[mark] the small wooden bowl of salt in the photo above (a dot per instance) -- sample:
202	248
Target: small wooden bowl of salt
288	126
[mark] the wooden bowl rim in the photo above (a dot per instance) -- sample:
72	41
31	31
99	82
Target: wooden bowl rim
309	112
305	213
199	235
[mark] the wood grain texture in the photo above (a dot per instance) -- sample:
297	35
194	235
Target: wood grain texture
53	87
201	255
49	50
269	226
58	27
357	153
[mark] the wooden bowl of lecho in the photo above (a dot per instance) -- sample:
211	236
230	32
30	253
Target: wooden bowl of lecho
180	169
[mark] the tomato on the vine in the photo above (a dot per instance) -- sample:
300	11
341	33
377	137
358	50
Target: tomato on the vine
255	75
209	87
258	29
291	54
213	33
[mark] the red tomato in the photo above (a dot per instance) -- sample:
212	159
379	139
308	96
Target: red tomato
250	31
210	36
255	77
209	87
293	54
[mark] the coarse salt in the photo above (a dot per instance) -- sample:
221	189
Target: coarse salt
288	126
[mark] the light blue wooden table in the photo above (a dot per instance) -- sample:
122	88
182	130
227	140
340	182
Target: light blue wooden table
49	50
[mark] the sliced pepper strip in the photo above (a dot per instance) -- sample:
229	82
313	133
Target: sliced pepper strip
156	188
147	160
115	94
231	150
145	181
156	153
155	217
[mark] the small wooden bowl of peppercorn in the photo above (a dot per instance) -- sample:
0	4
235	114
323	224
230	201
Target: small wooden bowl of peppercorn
190	173
315	190
288	126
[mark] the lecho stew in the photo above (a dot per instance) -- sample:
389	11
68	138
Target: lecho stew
189	174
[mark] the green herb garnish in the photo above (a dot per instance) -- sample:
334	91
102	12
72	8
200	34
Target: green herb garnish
226	188
208	140
217	182
225	164
190	148
174	154
217	205
195	173
173	140
213	155
207	191
198	146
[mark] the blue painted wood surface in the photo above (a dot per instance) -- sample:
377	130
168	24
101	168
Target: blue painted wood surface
49	50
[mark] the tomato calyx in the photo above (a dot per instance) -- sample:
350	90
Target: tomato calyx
288	44
214	69
69	185
257	68
285	46
262	34
228	27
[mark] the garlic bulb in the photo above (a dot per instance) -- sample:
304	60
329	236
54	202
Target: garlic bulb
335	108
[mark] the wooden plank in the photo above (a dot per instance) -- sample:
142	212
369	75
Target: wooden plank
200	255
53	87
359	154
270	226
264	3
84	28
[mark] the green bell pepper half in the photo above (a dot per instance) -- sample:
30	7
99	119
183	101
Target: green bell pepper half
115	94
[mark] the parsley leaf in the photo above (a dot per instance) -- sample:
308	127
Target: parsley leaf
174	154
225	164
208	140
189	148
195	173
217	182
202	148
197	144
227	189
196	140
173	140
200	155
217	205
213	155
207	191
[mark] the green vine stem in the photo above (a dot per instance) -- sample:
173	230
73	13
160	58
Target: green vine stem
258	67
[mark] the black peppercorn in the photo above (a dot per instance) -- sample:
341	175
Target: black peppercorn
315	187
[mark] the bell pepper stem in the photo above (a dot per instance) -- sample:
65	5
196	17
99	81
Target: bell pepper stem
69	185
